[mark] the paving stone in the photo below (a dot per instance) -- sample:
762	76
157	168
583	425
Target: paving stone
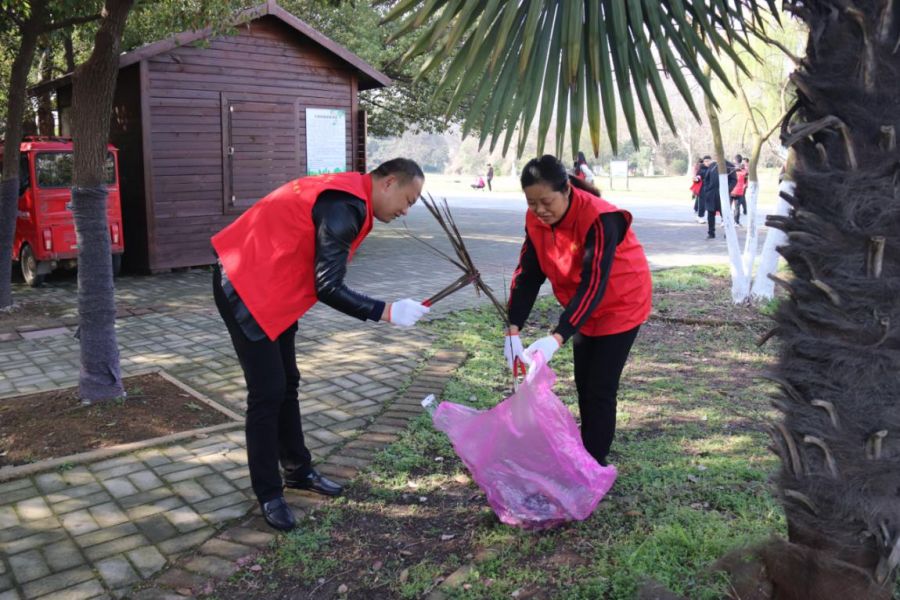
22	544
248	536
120	487
185	542
185	519
211	566
190	491
156	594
218	502
179	579
225	549
8	517
76	491
7	587
79	522
108	514
78	476
105	535
118	546
50	482
145	498
82	591
238	473
145	480
33	509
62	555
326	436
148	560
28	566
116	571
12	486
187	474
57	582
156	528
349	461
228	513
81	503
216	485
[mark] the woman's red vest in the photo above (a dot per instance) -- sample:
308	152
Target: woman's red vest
269	252
560	250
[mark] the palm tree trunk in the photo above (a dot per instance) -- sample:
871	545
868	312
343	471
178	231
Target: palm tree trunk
9	188
92	95
839	439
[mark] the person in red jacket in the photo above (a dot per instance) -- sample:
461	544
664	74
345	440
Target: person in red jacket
738	199
284	254
586	248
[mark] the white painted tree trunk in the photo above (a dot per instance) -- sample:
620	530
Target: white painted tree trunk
763	287
740	280
751	242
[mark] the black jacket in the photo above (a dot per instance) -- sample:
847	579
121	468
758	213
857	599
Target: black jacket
709	193
338	218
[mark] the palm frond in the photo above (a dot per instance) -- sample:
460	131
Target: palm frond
521	61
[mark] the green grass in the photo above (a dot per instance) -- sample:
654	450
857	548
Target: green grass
687	278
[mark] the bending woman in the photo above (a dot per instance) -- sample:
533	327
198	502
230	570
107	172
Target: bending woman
599	273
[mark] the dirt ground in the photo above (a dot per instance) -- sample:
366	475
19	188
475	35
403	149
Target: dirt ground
55	424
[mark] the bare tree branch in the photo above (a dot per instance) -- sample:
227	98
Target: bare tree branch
70	22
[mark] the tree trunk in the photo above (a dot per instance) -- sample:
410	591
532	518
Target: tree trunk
740	285
839	438
46	125
93	85
9	188
763	287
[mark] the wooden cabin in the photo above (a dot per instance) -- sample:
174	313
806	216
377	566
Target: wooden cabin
205	130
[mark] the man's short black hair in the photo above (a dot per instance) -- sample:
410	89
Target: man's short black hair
707	157
403	169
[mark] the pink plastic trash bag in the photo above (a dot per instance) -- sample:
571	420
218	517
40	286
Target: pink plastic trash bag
527	456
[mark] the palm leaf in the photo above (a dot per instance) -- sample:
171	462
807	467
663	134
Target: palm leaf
514	62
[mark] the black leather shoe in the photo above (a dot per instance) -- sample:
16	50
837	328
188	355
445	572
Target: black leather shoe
278	514
313	482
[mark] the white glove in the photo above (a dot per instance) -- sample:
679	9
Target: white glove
547	346
405	313
512	348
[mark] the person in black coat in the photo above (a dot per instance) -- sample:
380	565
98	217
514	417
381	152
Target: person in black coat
709	191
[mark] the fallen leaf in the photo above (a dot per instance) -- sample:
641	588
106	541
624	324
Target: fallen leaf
447	537
438	459
343	589
404	575
256	568
423	498
377	565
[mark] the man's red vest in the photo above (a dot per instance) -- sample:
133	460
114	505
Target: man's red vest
269	252
560	250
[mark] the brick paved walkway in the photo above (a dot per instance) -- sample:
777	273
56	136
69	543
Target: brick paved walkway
97	530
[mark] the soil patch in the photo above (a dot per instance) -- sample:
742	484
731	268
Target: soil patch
54	424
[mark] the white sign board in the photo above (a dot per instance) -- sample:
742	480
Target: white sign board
326	140
618	168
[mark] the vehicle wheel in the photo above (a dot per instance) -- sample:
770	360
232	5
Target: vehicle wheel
116	264
29	265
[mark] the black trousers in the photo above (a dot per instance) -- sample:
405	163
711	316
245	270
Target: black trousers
273	429
598	366
737	203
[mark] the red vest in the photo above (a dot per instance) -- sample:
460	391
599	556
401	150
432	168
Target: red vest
269	252
560	250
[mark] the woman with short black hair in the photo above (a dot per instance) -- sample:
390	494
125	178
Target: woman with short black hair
599	273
